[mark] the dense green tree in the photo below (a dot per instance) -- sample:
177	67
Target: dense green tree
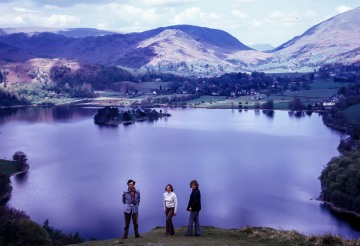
269	104
296	104
59	238
127	116
340	181
17	229
20	157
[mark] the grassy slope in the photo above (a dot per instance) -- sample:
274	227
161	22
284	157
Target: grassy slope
249	236
9	168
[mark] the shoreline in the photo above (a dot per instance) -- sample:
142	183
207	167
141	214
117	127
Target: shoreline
338	210
6	197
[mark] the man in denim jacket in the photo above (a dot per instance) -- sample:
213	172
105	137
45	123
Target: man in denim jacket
131	201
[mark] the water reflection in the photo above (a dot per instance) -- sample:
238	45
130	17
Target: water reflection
22	178
44	114
352	219
269	113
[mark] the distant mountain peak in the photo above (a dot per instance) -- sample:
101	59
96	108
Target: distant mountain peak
187	49
176	45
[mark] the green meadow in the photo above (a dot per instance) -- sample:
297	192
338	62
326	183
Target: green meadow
9	168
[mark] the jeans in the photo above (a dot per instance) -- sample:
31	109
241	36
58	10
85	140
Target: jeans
194	219
169	225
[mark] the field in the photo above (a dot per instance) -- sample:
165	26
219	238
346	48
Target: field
141	86
326	84
320	90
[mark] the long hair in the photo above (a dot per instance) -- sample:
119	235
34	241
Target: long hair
195	183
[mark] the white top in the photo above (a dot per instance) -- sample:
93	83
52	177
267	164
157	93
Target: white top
170	200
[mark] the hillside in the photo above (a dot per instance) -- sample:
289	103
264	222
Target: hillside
336	39
187	49
250	236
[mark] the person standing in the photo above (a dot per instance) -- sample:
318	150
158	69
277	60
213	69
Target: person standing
170	208
131	201
194	206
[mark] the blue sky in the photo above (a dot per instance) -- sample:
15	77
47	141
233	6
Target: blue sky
250	21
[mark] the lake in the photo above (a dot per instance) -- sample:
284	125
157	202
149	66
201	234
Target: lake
253	169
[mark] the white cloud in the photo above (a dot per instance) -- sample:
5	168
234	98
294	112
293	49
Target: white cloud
256	23
61	20
23	10
195	16
10	20
277	15
278	18
310	14
342	9
239	14
166	2
244	1
127	14
187	15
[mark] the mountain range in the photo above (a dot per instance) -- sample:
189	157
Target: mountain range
185	49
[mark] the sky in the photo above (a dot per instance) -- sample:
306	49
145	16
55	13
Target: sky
250	21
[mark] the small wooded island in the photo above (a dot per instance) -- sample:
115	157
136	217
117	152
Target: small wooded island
113	116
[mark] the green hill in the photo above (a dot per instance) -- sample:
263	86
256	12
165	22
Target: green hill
249	236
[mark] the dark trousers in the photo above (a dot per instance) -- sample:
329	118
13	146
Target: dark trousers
194	219
127	219
169	212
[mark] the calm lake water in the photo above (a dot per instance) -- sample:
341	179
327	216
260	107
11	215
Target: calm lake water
253	169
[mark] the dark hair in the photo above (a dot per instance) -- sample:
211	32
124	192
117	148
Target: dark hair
131	181
171	187
194	182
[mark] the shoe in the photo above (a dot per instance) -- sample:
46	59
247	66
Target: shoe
187	235
197	235
138	236
124	237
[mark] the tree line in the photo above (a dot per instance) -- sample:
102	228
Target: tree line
340	180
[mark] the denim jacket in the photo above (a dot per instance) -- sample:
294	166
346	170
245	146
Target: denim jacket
129	205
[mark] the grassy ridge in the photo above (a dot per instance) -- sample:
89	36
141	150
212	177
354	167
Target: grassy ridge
249	236
9	168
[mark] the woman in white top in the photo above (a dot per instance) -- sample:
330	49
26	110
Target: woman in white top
170	208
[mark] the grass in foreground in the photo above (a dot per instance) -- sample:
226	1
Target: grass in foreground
252	236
